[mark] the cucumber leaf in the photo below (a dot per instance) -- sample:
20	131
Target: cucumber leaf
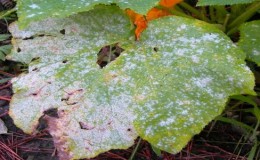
250	40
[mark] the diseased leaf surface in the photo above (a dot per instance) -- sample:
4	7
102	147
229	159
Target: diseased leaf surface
67	77
30	11
165	87
185	83
223	2
250	40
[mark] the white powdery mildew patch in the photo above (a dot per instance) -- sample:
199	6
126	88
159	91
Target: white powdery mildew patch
195	59
256	52
202	82
182	52
168	122
182	27
211	37
34	6
110	125
31	15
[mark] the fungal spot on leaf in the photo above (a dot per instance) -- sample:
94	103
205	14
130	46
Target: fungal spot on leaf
65	61
71	103
27	38
62	31
86	126
108	54
19	50
65	99
35	69
35	59
156	49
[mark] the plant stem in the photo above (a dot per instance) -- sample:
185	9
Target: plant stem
178	13
110	52
174	11
232	27
134	151
194	11
212	14
8	13
226	21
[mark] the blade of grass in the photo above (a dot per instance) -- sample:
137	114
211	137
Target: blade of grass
234	122
135	150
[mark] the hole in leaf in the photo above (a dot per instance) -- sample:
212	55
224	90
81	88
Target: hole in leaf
156	49
108	54
19	49
35	69
62	31
53	112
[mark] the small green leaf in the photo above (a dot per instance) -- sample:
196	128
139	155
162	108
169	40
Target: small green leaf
5	50
165	87
4	36
223	2
156	150
30	11
250	40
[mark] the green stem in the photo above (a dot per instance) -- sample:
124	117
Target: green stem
212	14
8	13
194	11
226	21
174	11
255	130
179	9
134	151
203	13
110	52
232	27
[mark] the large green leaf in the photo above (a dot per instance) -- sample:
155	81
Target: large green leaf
34	10
223	2
250	40
165	87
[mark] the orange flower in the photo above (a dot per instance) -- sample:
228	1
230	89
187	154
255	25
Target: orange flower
141	21
169	3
